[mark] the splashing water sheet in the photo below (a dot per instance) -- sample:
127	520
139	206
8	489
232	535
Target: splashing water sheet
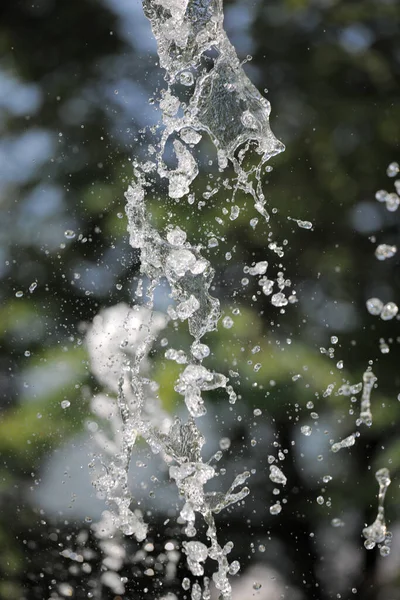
223	104
219	102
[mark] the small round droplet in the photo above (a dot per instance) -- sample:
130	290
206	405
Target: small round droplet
33	286
320	500
392	202
392	169
19	294
227	322
374	306
186	583
381	195
275	509
389	311
65	404
69	234
224	443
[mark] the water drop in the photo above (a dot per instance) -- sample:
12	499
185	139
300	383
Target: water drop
393	169
389	311
306	430
392	202
276	475
227	322
275	509
381	195
374	306
69	234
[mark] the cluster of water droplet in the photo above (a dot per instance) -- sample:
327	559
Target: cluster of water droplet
386	312
391	199
375	306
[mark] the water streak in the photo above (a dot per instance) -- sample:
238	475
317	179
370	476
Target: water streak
377	533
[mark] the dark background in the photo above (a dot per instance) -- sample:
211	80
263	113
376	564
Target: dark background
75	79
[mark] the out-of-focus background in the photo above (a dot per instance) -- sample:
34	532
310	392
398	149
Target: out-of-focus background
75	83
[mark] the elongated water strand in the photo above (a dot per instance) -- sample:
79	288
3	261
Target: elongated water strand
369	381
377	533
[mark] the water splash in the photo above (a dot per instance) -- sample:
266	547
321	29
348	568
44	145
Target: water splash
219	101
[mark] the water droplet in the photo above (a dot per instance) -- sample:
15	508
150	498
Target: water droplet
306	430
381	195
279	299
19	294
227	322
337	522
304	224
186	583
389	311
392	202
234	567
384	251
65	404
275	509
392	169
33	286
224	443
276	475
69	234
374	306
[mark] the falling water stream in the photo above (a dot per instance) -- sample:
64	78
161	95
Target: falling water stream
209	95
